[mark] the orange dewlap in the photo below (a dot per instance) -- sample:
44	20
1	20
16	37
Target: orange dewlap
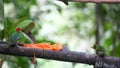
45	46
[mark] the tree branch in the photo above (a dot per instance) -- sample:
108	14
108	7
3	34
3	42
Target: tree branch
97	1
64	55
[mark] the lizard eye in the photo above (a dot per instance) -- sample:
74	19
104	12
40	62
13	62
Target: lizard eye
18	29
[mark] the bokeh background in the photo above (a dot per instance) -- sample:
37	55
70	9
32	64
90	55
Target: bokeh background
73	25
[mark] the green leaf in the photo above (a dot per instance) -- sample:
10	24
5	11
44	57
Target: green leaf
20	22
43	40
17	62
23	62
29	28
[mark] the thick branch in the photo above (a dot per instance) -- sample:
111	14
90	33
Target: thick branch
64	55
97	1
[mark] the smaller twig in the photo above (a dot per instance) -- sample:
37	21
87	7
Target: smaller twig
34	59
34	53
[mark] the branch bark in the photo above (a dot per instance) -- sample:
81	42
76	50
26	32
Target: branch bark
97	1
64	55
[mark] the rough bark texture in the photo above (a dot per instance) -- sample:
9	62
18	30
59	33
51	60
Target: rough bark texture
64	55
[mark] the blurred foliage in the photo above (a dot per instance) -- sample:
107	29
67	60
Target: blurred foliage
56	22
19	62
112	26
